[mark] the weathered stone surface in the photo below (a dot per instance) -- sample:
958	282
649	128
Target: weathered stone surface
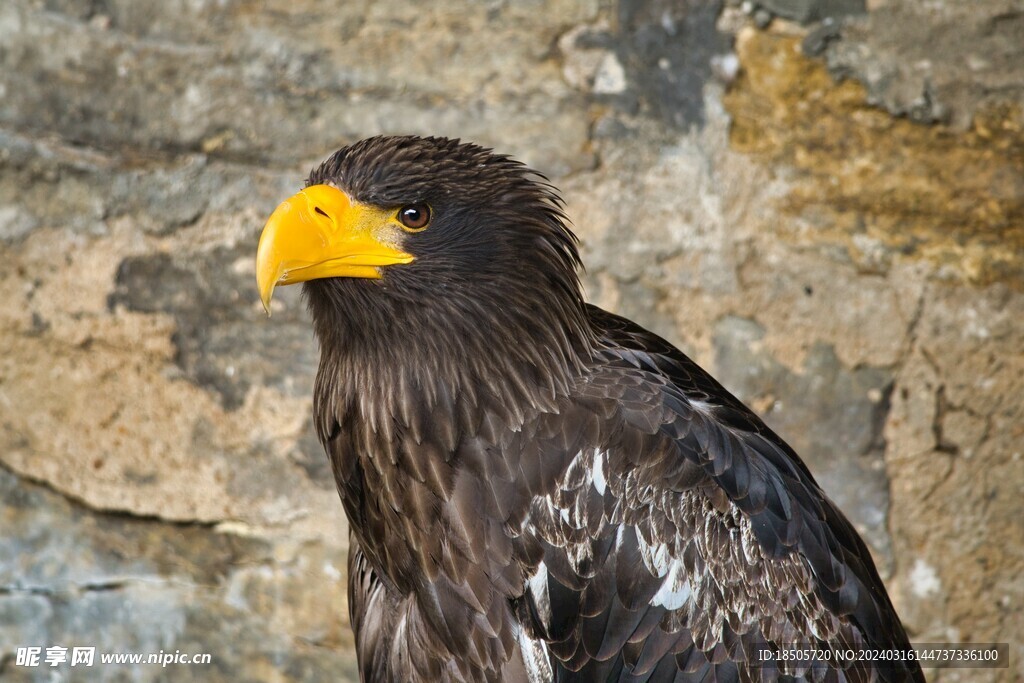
878	188
260	606
936	60
215	343
651	58
855	276
957	481
806	11
284	81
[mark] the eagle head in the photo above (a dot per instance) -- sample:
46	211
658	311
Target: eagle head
417	216
430	247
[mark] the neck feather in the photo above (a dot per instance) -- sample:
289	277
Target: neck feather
389	359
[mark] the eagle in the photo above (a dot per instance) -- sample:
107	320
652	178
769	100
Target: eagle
537	489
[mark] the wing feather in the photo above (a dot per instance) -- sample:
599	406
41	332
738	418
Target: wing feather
723	541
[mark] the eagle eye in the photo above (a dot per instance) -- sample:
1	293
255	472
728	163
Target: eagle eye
414	216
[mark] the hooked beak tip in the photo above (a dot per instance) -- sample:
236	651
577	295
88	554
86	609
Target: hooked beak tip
265	300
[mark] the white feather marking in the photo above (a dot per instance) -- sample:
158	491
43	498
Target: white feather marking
656	557
535	657
661	559
598	473
703	406
675	590
538	586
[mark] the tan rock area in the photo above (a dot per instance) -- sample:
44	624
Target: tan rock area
827	215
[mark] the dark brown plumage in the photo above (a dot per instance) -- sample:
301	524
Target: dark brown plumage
540	490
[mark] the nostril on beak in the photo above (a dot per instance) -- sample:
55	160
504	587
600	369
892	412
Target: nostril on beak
321	211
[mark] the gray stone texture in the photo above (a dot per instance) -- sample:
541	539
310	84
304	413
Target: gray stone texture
837	233
935	60
807	11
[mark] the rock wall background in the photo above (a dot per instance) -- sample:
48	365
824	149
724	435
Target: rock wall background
820	200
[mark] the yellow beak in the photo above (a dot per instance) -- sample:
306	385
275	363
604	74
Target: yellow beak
320	233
